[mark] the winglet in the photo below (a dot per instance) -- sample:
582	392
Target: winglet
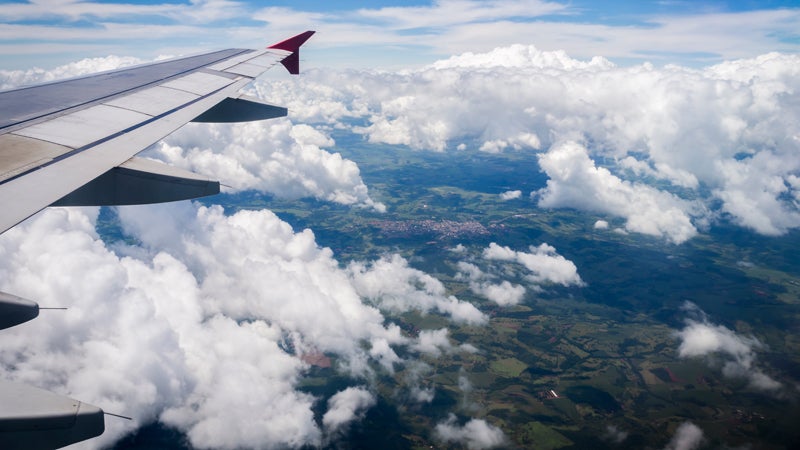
292	62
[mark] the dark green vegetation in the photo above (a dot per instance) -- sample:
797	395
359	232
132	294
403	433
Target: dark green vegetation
607	349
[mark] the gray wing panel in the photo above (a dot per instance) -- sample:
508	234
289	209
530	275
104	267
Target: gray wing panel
57	137
29	103
26	194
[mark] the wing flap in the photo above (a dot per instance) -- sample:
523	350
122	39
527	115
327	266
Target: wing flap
19	154
241	109
199	83
154	101
141	181
84	127
247	69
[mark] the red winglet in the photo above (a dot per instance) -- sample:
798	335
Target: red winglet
292	62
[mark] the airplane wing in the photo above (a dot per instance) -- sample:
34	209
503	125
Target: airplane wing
73	143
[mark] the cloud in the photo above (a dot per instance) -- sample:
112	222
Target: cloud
437	342
510	195
391	34
475	434
601	225
433	342
10	79
346	407
688	436
543	263
700	338
614	435
576	182
503	293
270	156
619	140
276	157
203	324
394	286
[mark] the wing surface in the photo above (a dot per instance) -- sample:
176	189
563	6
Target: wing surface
59	137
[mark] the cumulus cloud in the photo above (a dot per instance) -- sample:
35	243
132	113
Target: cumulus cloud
510	195
543	263
614	435
203	324
576	182
437	342
395	286
701	338
668	149
275	156
10	79
345	407
601	225
688	436
475	434
503	293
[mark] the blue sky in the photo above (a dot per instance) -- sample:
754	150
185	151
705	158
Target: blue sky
396	34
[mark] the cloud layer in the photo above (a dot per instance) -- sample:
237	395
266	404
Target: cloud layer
204	324
276	157
384	34
669	149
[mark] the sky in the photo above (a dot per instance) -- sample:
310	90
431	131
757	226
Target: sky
661	119
48	33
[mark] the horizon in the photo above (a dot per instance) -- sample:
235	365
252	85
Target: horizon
387	36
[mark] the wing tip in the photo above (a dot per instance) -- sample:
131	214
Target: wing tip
293	43
292	62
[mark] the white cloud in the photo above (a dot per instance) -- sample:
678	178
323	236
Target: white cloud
543	263
433	342
271	156
576	182
701	338
418	390
399	33
504	293
601	225
688	436
394	286
274	156
345	407
475	434
444	13
203	325
518	142
510	195
14	78
622	140
614	434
